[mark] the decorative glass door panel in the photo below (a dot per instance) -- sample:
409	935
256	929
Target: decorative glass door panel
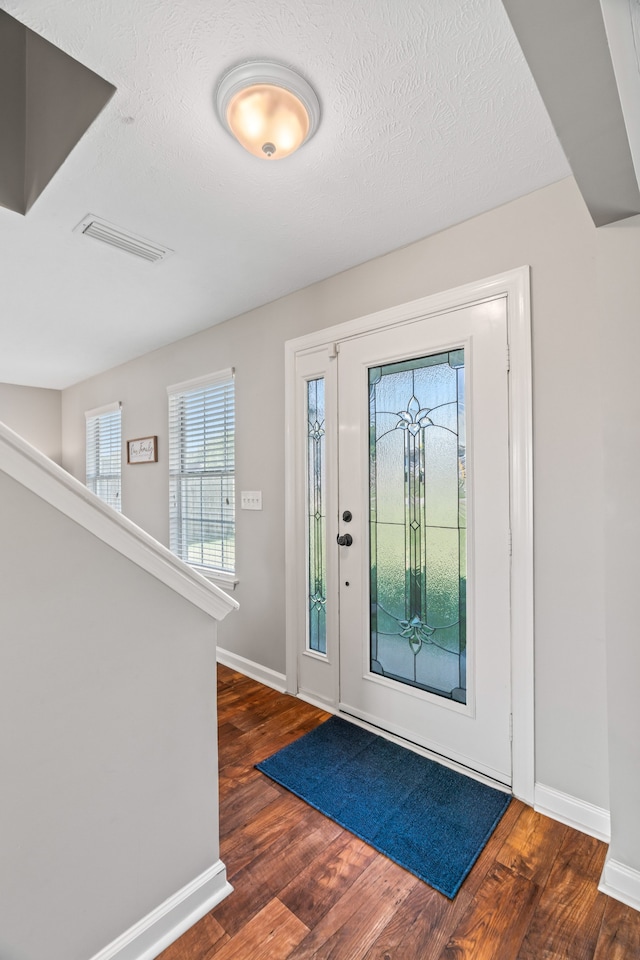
417	515
316	518
312	502
424	568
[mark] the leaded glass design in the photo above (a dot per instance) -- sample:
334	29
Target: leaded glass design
316	520
418	523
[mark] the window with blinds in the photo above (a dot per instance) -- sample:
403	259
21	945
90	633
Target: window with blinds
202	471
104	453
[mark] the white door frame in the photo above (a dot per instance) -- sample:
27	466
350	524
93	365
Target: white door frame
514	285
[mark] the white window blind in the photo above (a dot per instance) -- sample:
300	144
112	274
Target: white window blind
202	471
104	453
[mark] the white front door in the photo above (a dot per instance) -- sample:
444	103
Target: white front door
423	470
423	626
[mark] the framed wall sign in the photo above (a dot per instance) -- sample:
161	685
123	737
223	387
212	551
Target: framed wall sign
142	450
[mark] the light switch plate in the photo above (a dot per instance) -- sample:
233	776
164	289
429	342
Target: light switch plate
251	500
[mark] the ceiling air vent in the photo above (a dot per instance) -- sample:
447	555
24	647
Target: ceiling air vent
92	226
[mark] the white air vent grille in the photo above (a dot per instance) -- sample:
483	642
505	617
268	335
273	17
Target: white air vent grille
92	226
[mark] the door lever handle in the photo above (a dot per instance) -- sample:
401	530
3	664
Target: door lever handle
345	540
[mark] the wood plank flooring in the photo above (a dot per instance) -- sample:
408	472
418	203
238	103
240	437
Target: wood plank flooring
305	888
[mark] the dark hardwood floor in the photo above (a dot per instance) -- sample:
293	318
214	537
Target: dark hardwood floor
305	888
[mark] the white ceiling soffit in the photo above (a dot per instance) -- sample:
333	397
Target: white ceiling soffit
566	47
430	116
622	22
47	102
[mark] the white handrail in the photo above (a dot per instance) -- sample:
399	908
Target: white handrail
35	471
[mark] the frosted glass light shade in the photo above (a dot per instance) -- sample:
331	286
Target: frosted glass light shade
268	108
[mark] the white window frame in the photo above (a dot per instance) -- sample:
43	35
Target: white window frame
97	446
224	576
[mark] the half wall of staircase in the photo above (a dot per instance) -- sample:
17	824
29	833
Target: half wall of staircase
108	741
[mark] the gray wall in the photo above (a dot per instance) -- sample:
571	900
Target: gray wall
551	230
108	737
619	273
36	415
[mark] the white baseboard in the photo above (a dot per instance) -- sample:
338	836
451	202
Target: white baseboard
155	932
576	813
621	882
254	670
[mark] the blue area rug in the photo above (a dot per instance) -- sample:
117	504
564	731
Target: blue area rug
431	820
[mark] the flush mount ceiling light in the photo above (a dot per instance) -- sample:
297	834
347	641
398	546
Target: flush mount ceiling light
268	108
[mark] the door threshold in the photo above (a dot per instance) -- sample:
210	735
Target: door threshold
424	751
404	742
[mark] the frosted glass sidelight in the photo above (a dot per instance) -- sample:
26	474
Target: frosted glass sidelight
418	523
316	518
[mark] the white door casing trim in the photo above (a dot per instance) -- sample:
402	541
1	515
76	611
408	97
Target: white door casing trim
515	286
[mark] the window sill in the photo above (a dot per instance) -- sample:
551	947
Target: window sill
226	581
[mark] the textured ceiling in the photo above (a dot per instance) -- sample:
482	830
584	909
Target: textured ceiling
429	116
